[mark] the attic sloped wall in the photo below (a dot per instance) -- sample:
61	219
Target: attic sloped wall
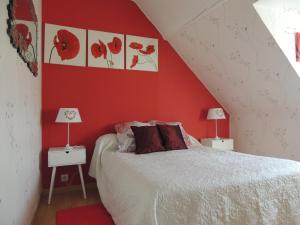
235	56
20	130
282	19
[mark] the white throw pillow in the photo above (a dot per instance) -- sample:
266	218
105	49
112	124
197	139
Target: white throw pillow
125	135
194	141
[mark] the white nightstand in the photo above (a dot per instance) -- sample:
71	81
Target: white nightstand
222	143
66	157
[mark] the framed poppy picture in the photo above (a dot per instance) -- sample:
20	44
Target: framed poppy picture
141	53
298	47
65	45
105	50
24	35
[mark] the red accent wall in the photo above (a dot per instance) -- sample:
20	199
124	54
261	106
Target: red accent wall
106	96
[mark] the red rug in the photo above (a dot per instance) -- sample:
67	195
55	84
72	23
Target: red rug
86	215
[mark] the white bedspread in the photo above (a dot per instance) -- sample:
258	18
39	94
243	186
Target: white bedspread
198	186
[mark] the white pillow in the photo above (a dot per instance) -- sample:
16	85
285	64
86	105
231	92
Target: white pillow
107	142
126	142
194	141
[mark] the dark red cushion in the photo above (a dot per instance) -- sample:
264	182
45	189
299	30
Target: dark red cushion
172	137
147	139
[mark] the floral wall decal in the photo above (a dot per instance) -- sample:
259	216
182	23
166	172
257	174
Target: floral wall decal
65	45
141	53
298	47
23	30
105	49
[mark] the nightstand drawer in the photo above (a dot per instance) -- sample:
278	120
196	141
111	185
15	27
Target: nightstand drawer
64	157
224	144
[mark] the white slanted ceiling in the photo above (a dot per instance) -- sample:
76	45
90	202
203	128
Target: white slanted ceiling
169	16
233	53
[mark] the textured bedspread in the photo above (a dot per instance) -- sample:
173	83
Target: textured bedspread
199	186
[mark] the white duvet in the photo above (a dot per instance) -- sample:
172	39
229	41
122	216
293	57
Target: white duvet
196	186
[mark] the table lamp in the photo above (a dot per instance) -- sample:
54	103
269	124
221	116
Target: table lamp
68	115
216	114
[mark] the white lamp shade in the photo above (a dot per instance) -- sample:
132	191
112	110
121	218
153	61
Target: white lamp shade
68	115
216	114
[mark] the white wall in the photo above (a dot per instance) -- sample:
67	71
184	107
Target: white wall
20	132
282	18
234	54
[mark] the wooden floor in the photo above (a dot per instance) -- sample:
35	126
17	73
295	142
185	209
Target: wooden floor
45	214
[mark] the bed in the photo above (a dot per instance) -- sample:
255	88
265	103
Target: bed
195	186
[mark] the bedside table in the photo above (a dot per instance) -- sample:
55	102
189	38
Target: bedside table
66	157
222	143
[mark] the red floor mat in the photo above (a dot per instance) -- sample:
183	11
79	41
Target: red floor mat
86	215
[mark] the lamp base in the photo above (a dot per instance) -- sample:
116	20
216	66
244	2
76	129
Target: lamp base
68	147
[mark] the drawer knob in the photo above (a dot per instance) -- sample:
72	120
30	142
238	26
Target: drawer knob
67	152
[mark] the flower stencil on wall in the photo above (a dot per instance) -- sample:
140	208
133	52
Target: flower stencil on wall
141	53
298	47
65	45
105	49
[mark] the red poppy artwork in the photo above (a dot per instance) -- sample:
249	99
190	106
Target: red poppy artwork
23	35
135	45
22	29
99	49
149	50
298	47
115	45
141	53
64	45
105	49
134	61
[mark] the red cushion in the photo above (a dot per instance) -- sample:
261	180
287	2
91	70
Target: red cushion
147	139
172	137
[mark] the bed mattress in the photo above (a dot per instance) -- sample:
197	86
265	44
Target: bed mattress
198	186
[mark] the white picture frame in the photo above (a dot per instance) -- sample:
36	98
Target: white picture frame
64	45
141	53
105	50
